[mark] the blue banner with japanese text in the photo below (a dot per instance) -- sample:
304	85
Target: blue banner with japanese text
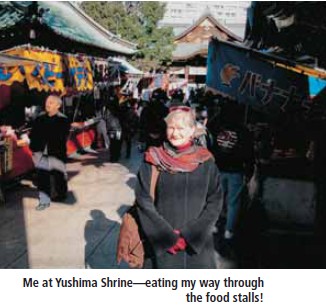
239	74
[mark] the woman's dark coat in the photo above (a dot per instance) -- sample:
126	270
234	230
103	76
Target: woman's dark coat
190	202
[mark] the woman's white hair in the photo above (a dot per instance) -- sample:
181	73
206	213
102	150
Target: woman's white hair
186	117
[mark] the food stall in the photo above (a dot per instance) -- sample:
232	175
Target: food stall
15	158
51	78
125	76
60	42
279	98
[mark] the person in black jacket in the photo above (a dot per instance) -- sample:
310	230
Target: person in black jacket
48	139
179	224
234	155
113	124
129	125
151	122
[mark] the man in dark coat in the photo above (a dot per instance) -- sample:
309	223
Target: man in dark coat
113	123
129	125
151	122
48	143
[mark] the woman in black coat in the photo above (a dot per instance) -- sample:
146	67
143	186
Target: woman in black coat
178	225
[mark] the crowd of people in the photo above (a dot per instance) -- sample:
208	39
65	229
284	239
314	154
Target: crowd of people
203	154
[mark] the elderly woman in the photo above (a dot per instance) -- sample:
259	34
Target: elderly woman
178	225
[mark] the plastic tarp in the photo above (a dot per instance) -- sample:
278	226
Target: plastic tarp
127	68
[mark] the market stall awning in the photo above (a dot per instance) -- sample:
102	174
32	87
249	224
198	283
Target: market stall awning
126	67
47	70
10	61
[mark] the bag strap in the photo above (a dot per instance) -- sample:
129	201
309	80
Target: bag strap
154	178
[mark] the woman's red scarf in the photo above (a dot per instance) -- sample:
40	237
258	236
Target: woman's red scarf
172	160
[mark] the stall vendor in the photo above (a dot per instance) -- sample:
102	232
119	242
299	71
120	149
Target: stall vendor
48	137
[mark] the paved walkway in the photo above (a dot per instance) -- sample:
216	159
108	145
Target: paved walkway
80	233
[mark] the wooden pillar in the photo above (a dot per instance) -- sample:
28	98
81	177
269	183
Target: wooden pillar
187	69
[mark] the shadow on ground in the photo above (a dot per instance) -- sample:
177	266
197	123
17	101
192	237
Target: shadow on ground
101	237
13	240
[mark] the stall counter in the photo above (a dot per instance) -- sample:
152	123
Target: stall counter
82	136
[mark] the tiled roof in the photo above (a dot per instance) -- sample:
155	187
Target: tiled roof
10	14
187	50
67	20
208	16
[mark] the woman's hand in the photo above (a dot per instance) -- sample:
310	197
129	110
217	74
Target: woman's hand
180	245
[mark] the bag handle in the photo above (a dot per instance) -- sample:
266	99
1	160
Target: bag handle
154	178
